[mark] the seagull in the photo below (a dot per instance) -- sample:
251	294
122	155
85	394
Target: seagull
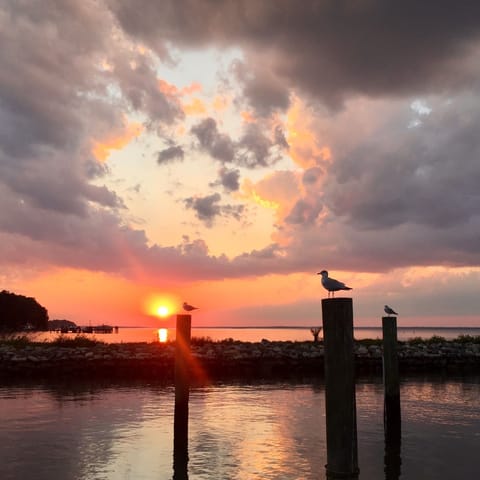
331	284
389	311
188	308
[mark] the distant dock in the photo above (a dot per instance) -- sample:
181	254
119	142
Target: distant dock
89	329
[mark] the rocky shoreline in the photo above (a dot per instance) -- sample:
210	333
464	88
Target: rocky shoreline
227	359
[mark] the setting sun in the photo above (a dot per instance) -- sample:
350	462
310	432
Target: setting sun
160	305
162	311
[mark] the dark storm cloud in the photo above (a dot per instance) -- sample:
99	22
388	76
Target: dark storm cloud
170	154
46	70
54	104
264	91
348	248
66	79
427	175
67	192
328	49
56	101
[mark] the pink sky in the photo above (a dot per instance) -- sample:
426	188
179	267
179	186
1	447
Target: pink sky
223	154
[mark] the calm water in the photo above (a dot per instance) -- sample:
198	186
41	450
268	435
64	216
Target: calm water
150	334
237	431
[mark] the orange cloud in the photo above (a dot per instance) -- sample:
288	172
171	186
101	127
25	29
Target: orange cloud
195	87
195	107
220	103
247	117
173	91
167	89
249	192
305	149
278	190
102	149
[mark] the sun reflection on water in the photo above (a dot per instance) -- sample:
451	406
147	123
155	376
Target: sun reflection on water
162	335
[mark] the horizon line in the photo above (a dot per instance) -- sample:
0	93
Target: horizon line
446	327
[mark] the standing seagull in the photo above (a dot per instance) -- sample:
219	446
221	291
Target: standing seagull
331	284
188	308
389	311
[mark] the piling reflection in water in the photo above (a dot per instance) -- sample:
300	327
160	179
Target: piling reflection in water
180	441
392	458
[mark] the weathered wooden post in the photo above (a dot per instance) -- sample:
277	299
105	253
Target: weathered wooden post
340	404
391	380
182	392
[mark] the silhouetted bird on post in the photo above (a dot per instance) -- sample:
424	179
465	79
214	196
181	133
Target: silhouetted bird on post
188	308
331	284
389	311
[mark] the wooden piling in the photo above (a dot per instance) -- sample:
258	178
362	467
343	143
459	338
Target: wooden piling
340	404
391	380
182	392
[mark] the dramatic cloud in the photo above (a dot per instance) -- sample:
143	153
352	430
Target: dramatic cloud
348	129
325	49
426	175
264	91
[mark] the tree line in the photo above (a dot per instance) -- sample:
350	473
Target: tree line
19	313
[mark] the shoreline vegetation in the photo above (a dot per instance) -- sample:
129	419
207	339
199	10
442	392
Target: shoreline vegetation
81	356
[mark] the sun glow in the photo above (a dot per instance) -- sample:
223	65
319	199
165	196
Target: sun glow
163	311
161	305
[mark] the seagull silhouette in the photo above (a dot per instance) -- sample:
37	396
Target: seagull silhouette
331	284
389	311
188	308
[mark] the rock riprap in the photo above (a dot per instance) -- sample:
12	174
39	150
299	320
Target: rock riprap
227	358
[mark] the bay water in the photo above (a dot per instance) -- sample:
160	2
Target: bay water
82	430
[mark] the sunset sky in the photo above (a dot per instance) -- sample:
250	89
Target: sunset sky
224	152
